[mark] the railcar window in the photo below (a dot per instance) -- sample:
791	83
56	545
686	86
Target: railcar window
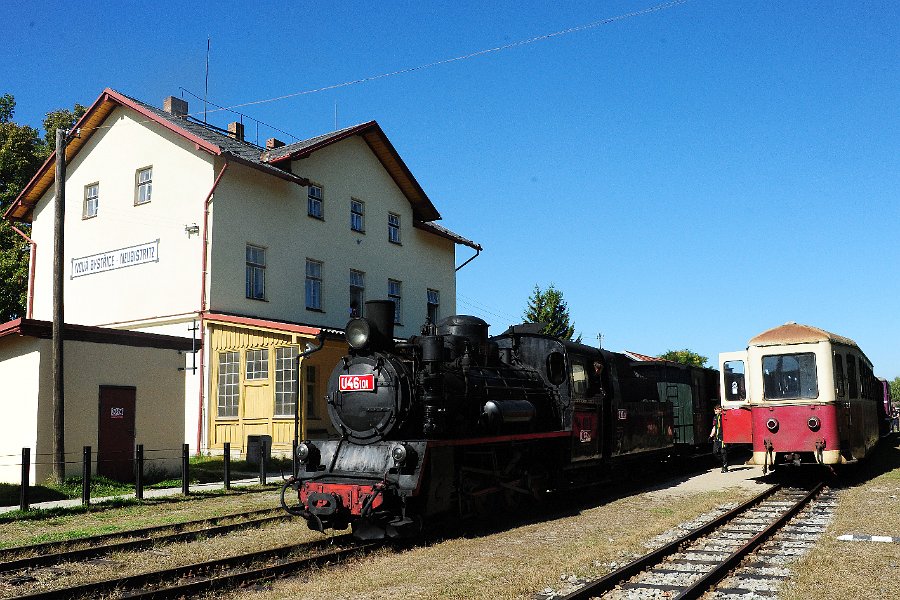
790	376
839	375
851	377
735	387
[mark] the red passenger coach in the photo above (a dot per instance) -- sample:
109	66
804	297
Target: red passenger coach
811	395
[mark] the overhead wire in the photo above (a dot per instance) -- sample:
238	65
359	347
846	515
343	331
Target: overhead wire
475	54
516	44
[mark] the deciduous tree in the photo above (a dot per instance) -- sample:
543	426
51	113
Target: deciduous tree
685	357
21	153
549	307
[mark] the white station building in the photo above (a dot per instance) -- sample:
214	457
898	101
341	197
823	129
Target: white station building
177	228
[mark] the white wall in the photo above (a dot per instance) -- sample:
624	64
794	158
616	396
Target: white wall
181	179
20	363
254	208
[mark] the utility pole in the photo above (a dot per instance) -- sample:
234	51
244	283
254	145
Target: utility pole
59	219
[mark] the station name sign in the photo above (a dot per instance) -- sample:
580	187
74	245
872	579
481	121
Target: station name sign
116	259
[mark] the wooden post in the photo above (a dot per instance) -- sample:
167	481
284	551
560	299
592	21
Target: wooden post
226	464
26	479
139	472
185	470
86	476
59	220
262	460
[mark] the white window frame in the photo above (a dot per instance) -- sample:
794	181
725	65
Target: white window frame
357	216
143	185
394	228
314	284
256	361
395	293
315	201
358	285
285	380
228	389
432	298
309	384
255	257
91	200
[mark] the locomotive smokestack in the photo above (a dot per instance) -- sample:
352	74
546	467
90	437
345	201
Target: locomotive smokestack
380	313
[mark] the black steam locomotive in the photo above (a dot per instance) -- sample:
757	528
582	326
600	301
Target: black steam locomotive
453	422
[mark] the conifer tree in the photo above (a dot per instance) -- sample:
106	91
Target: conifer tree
549	307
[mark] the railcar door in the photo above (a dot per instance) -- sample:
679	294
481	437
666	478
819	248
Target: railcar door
587	403
735	394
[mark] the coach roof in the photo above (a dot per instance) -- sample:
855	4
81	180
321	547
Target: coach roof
795	333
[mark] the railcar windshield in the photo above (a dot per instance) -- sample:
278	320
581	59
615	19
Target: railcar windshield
790	376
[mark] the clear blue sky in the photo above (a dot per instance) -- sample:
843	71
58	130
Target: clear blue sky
688	177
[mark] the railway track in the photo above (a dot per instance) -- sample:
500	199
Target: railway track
231	572
712	560
50	553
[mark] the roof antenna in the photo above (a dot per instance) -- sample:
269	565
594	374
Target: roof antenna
335	115
206	89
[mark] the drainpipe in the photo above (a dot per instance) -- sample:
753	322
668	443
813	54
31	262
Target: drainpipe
32	257
203	277
477	252
298	425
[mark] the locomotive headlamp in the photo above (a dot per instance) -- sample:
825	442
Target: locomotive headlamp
358	333
303	452
813	423
399	454
772	425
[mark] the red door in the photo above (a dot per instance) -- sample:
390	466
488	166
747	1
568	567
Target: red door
115	439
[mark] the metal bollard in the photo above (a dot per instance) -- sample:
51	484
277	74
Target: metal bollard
26	479
226	464
262	462
139	472
185	470
86	476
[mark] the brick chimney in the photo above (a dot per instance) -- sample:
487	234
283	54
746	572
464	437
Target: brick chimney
177	107
236	130
273	143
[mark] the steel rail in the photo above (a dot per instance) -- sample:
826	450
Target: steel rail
283	568
47	559
700	587
611	580
134	585
59	545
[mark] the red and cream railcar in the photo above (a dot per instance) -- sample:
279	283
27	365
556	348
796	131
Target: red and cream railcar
812	395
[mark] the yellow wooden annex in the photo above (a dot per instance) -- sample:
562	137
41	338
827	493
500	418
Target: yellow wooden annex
253	382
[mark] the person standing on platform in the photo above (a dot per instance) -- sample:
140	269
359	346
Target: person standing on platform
715	435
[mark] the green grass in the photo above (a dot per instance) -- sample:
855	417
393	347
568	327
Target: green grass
203	469
49	514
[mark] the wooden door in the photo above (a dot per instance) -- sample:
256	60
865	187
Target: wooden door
115	436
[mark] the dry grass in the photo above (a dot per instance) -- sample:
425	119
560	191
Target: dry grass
515	563
162	557
870	505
